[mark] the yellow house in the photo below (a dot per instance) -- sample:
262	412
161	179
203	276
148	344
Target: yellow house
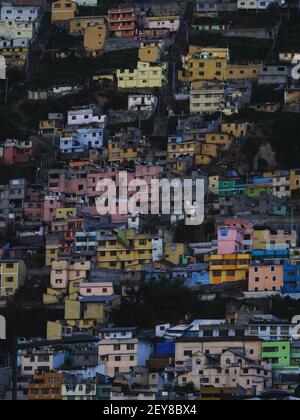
49	127
126	251
63	11
121	150
12	276
223	140
242	71
64	213
95	37
204	64
177	165
146	75
211	63
52	251
52	297
213	184
229	268
295	179
150	51
54	330
210	149
90	311
80	23
237	129
203	159
184	148
174	253
65	271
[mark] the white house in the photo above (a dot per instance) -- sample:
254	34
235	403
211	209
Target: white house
11	29
163	22
20	13
14	43
87	3
257	4
89	114
142	103
270	75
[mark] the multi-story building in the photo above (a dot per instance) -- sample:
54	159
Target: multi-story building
13	276
207	100
213	64
281	184
82	139
45	386
16	151
207	8
146	75
95	37
238	129
63	11
123	22
75	388
266	276
84	115
212	361
126	250
79	24
20	13
291	276
223	140
229	268
177	147
227	370
256	4
236	235
63	272
151	51
204	64
118	347
12	29
142	103
266	239
171	22
40	360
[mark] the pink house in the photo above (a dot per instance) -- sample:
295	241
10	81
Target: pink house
51	203
103	288
236	235
265	277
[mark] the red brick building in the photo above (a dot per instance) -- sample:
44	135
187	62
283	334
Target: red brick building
123	22
16	151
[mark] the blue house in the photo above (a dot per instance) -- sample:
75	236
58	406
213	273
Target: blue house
291	277
83	139
198	279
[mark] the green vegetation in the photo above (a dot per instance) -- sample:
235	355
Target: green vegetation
79	69
166	301
34	111
241	49
22	170
267	93
281	130
60	38
9	124
288	39
242	19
